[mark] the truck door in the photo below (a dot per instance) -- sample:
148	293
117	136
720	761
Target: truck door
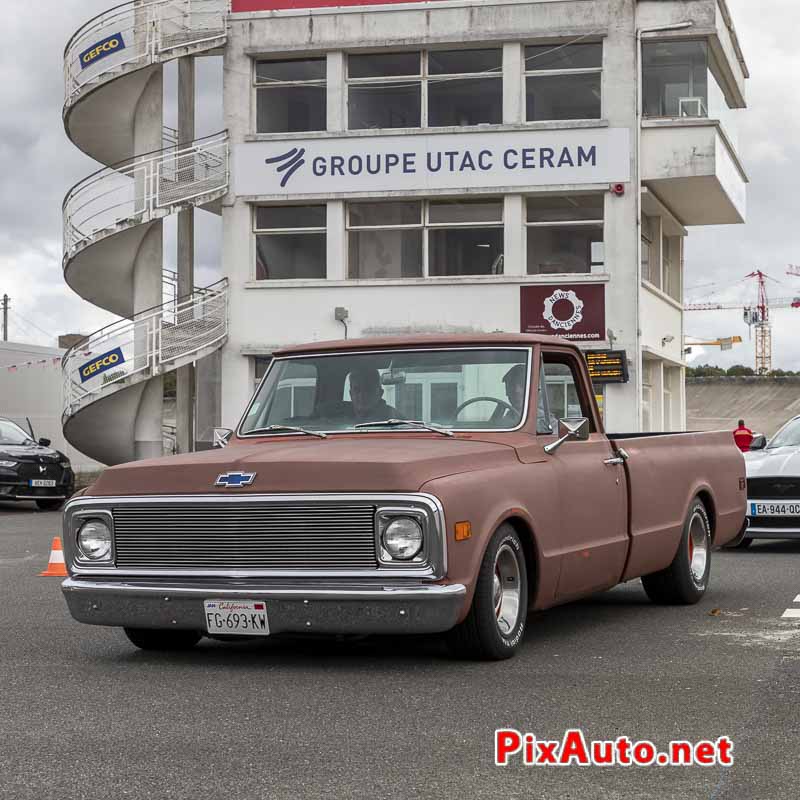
592	488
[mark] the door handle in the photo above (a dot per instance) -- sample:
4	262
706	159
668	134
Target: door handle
614	461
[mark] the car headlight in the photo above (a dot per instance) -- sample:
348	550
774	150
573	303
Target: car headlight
402	538
8	464
94	540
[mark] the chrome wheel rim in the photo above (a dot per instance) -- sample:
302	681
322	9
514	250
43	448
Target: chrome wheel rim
506	589
698	548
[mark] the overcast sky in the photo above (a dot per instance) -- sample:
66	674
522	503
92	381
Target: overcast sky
39	165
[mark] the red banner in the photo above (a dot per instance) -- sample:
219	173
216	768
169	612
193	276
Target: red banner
573	311
239	6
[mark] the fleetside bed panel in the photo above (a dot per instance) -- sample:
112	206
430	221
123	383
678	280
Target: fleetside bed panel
241	6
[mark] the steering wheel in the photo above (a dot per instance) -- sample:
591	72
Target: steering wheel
500	404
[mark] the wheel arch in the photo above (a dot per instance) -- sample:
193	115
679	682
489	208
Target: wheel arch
705	496
530	548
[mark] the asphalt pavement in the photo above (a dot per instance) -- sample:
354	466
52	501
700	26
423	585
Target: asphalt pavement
83	714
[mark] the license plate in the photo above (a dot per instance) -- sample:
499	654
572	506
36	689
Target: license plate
775	509
42	484
237	617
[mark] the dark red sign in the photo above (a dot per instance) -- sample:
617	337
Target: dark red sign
273	5
574	311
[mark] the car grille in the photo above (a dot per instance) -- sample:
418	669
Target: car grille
773	488
246	536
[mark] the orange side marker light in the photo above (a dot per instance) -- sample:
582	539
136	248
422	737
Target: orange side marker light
463	531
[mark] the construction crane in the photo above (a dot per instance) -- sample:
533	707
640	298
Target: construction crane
756	316
723	344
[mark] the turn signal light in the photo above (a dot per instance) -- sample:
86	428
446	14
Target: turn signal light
463	531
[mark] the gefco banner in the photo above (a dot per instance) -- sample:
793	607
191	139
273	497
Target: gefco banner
240	6
102	363
419	162
102	49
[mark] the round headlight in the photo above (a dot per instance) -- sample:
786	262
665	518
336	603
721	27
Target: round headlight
402	538
94	540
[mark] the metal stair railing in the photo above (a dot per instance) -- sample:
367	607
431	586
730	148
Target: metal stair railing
140	33
144	188
155	341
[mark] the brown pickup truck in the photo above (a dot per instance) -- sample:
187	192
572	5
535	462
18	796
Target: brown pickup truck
406	485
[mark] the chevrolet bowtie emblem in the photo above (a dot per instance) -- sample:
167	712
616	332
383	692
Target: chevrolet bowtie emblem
235	480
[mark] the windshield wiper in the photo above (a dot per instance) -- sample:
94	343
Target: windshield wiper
288	429
393	423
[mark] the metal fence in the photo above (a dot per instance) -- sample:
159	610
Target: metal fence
155	341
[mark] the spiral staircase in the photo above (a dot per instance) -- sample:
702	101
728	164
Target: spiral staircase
113	220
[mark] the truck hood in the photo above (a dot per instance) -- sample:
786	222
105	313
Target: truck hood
366	463
777	462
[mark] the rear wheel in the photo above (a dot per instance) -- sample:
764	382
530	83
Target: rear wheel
164	640
496	621
685	580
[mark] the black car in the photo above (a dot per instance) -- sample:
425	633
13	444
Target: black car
31	470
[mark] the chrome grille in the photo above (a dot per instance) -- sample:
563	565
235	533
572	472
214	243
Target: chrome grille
773	488
245	536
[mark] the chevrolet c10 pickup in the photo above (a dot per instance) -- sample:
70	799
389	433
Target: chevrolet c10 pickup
424	484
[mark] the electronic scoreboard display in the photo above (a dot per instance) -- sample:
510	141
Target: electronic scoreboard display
607	366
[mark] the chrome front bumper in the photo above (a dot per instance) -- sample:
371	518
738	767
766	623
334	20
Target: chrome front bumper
321	608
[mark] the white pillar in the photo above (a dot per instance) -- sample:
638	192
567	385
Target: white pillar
336	241
513	83
337	92
514	236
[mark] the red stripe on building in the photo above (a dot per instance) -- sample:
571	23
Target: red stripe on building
273	5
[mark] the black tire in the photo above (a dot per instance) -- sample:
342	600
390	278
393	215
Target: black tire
681	583
486	634
162	640
50	505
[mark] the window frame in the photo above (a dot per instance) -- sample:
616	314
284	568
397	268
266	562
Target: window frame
425	226
580	223
256	232
424	78
544	73
256	87
568	359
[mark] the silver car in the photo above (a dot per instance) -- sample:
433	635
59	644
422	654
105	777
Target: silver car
773	486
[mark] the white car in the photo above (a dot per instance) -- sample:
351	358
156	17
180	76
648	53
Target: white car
773	486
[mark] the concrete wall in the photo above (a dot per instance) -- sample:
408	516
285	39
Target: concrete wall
765	404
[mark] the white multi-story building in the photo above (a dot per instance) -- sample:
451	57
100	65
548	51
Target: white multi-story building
387	167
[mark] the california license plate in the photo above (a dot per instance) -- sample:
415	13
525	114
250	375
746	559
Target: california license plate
39	483
237	617
775	509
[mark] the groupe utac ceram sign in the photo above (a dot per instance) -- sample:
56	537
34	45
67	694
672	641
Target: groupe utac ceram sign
426	161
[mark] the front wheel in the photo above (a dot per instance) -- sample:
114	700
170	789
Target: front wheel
162	640
685	580
495	625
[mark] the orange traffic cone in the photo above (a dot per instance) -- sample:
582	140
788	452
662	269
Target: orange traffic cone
56	568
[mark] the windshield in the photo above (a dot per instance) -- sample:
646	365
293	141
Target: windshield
12	434
788	436
458	389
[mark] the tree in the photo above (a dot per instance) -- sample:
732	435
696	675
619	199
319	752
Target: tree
740	371
704	371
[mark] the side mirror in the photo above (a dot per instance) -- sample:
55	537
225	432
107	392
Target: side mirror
44	442
221	437
759	442
575	428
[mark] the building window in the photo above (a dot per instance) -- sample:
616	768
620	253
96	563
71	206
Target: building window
290	242
648	260
671	255
385	240
564	82
465	237
675	78
436	89
565	234
413	239
291	95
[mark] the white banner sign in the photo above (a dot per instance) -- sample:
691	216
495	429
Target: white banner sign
420	162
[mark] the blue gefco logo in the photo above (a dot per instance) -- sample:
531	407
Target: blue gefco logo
434	162
102	49
235	480
103	363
